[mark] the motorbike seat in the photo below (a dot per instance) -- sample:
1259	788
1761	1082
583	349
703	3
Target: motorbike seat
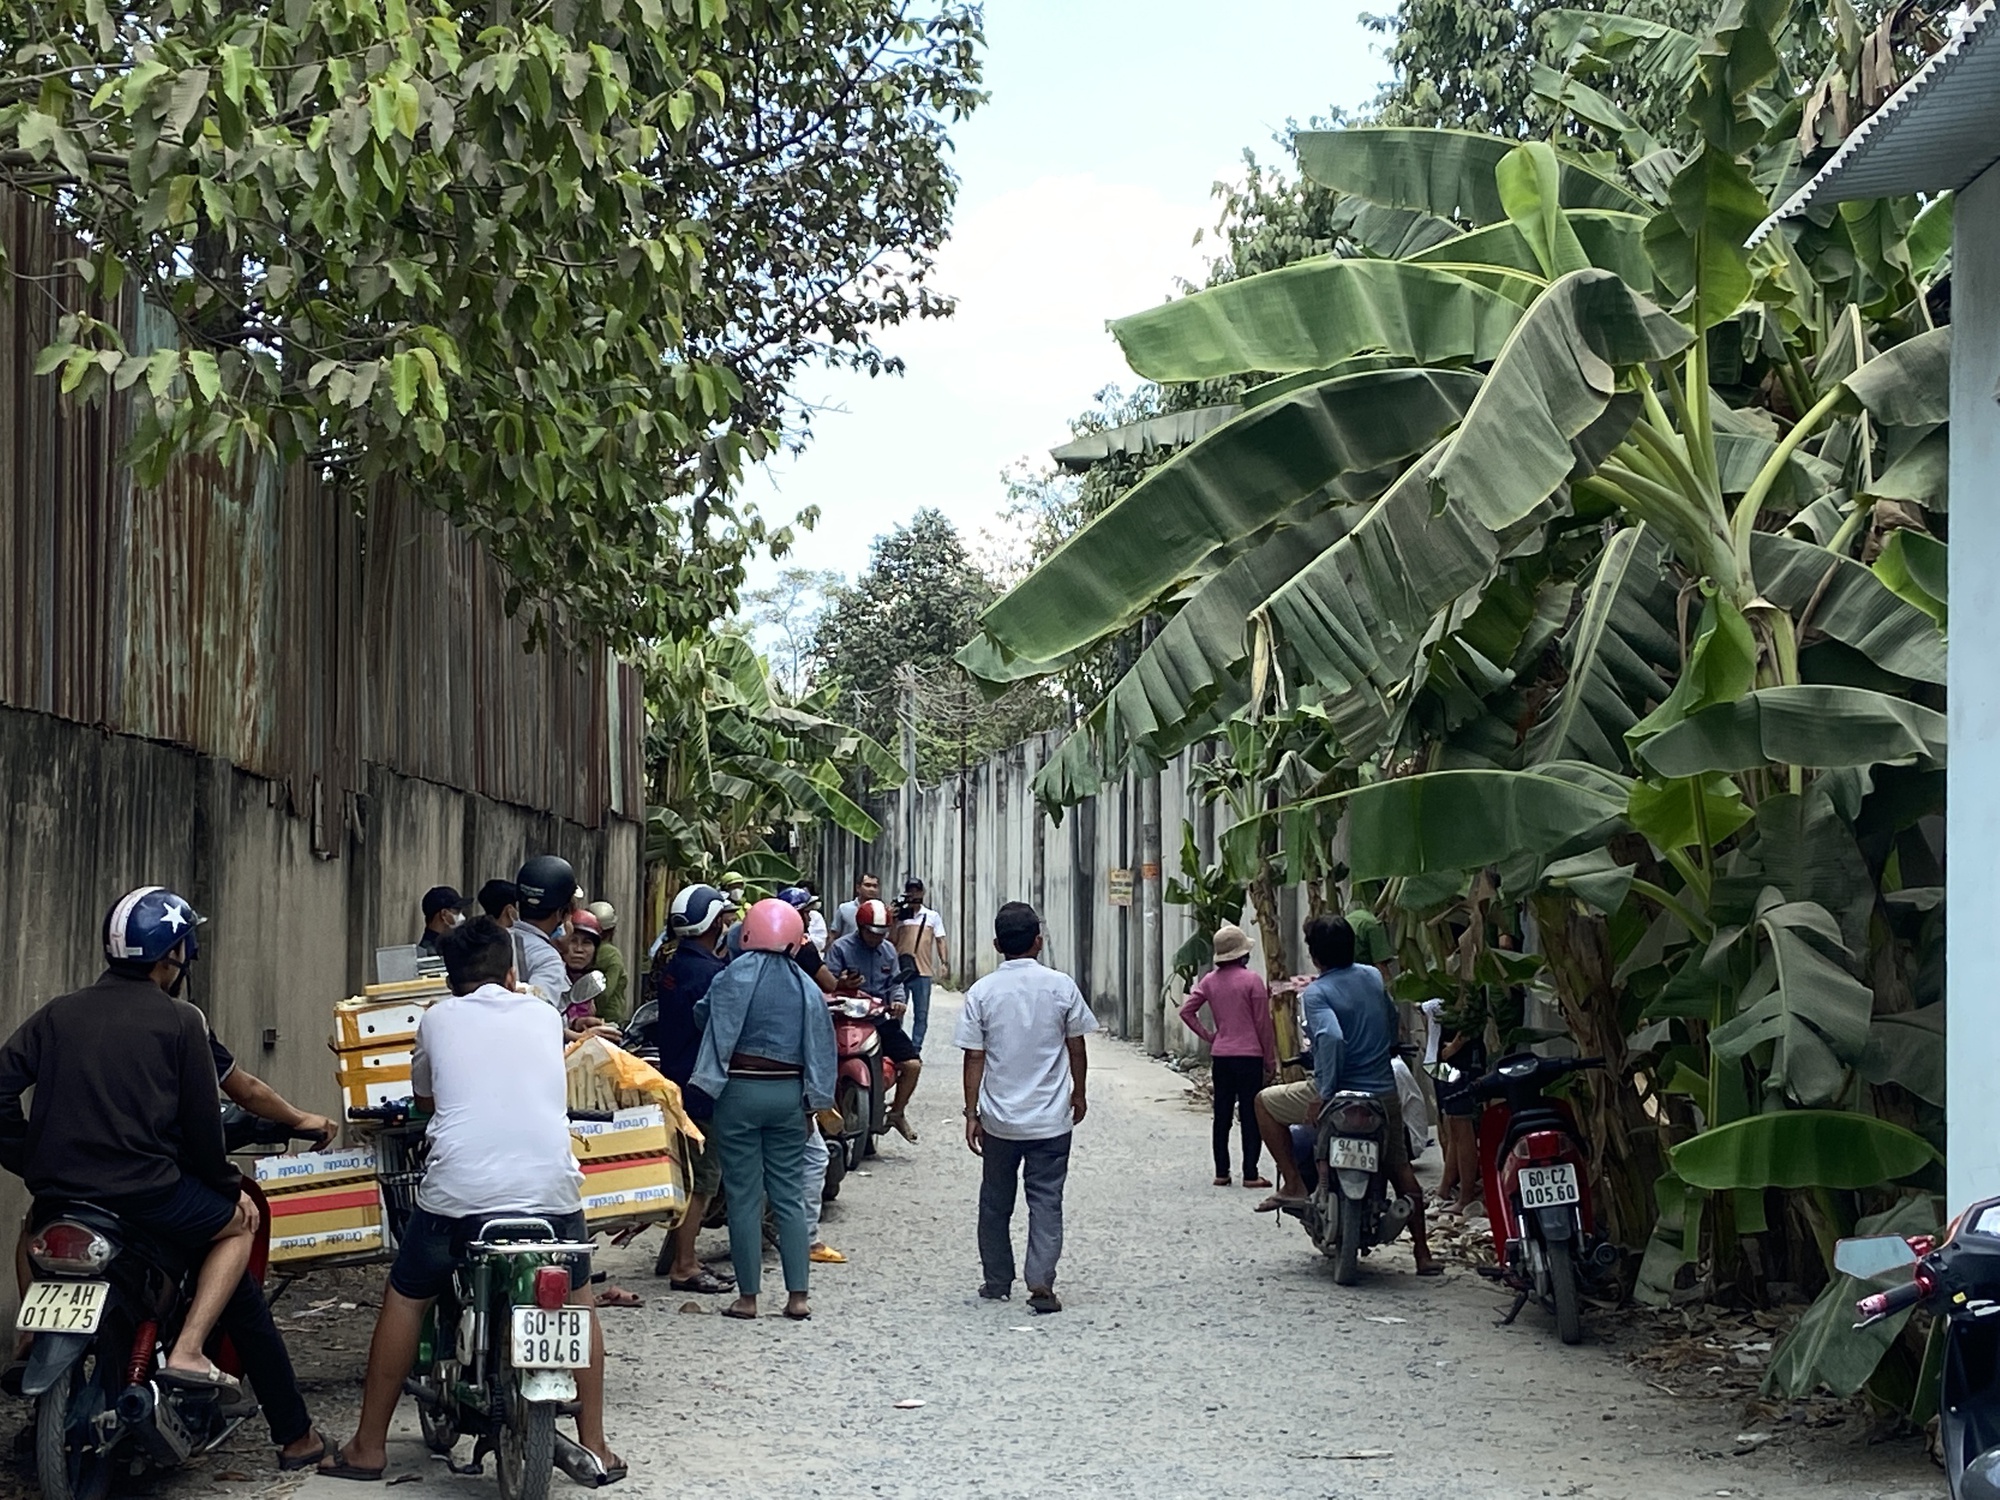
1527	1121
515	1228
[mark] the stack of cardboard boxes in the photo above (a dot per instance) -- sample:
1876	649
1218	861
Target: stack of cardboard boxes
373	1035
322	1204
630	1167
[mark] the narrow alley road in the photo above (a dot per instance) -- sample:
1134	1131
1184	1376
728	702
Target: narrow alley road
1204	1352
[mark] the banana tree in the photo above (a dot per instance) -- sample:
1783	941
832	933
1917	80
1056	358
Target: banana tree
1590	608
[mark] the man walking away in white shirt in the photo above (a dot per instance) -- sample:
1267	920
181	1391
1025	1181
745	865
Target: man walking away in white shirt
1022	1030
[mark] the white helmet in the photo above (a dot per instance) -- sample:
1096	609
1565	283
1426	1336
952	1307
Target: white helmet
695	910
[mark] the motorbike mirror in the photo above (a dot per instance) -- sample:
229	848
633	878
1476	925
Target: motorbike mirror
587	987
1516	1067
1873	1256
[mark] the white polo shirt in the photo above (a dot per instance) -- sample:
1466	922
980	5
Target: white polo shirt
493	1061
1022	1017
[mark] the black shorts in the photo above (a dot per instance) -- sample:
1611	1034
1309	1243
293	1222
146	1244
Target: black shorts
433	1245
896	1043
187	1216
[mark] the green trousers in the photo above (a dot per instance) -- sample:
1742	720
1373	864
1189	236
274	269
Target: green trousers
760	1129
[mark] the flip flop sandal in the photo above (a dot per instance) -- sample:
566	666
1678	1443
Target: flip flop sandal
743	1317
210	1379
617	1296
1431	1270
799	1317
1222	1182
1256	1182
707	1282
1273	1203
304	1460
342	1469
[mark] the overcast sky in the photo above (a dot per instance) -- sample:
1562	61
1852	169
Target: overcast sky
1085	179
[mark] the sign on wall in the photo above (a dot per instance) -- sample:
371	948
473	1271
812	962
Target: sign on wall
1120	882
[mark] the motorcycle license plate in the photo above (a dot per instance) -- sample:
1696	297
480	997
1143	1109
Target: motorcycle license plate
62	1307
1549	1187
1358	1156
557	1339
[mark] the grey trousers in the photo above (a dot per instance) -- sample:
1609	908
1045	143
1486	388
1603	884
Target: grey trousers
1043	1166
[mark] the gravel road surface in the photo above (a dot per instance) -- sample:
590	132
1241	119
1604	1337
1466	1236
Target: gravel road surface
1205	1351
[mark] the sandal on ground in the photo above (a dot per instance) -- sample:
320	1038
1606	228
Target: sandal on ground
824	1254
799	1317
304	1460
340	1468
209	1378
1435	1268
1256	1182
1222	1182
707	1281
617	1296
1044	1300
743	1317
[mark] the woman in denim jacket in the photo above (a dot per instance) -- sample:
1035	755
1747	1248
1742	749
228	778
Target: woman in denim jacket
767	1059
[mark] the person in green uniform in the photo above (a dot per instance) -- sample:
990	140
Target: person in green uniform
615	1004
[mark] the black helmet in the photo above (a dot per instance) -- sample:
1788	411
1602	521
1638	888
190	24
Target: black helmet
546	883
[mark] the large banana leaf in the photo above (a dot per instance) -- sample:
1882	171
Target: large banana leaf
1801	1148
1194	668
1696	242
1907	1048
1922	473
1620	653
1815	724
1909	385
1174	430
1530	181
1913	568
1825	1348
1235	481
1445	173
1315	314
1463	820
1854	606
1807	850
1610	238
805	793
1815	1015
1391	233
1553	382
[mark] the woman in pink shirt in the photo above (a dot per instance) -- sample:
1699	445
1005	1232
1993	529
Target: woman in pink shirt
1242	1046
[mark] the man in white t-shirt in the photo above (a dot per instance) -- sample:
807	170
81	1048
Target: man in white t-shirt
866	888
488	1067
1022	1030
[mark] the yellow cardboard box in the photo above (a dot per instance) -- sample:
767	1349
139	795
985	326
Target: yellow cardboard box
375	1023
622	1187
308	1170
629	1132
373	1075
331	1242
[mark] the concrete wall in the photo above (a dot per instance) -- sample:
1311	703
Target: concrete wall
1972	806
88	815
996	845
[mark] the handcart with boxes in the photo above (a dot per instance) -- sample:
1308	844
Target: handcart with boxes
347	1207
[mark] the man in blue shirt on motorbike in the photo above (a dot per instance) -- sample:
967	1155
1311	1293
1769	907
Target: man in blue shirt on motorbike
867	961
1354	1029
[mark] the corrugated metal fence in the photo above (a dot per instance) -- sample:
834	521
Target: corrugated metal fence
259	618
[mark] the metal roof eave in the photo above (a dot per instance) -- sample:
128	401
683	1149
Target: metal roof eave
1937	133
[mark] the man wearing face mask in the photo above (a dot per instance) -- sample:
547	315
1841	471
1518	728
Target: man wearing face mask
444	909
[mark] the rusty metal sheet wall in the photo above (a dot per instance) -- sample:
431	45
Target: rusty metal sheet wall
256	616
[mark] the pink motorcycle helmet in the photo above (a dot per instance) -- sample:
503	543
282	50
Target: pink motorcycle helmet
773	926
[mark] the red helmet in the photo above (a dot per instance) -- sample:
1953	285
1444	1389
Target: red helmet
580	920
872	914
773	926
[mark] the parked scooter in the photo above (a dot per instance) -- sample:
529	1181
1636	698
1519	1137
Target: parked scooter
105	1305
498	1358
1959	1280
1537	1188
1352	1207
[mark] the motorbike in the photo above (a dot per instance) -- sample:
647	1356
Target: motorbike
498	1356
1351	1208
1958	1279
865	1081
1537	1189
103	1307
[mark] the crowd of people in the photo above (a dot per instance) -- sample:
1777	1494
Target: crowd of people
125	1073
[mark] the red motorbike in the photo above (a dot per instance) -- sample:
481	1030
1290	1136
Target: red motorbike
866	1080
1537	1186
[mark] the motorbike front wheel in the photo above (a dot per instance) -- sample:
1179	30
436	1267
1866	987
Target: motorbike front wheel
1562	1291
526	1455
1347	1264
68	1461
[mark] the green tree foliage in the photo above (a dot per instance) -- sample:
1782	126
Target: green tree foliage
551	266
884	647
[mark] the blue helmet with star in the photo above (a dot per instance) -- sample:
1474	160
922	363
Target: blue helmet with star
146	925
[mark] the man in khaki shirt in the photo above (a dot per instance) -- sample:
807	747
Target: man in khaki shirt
920	933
